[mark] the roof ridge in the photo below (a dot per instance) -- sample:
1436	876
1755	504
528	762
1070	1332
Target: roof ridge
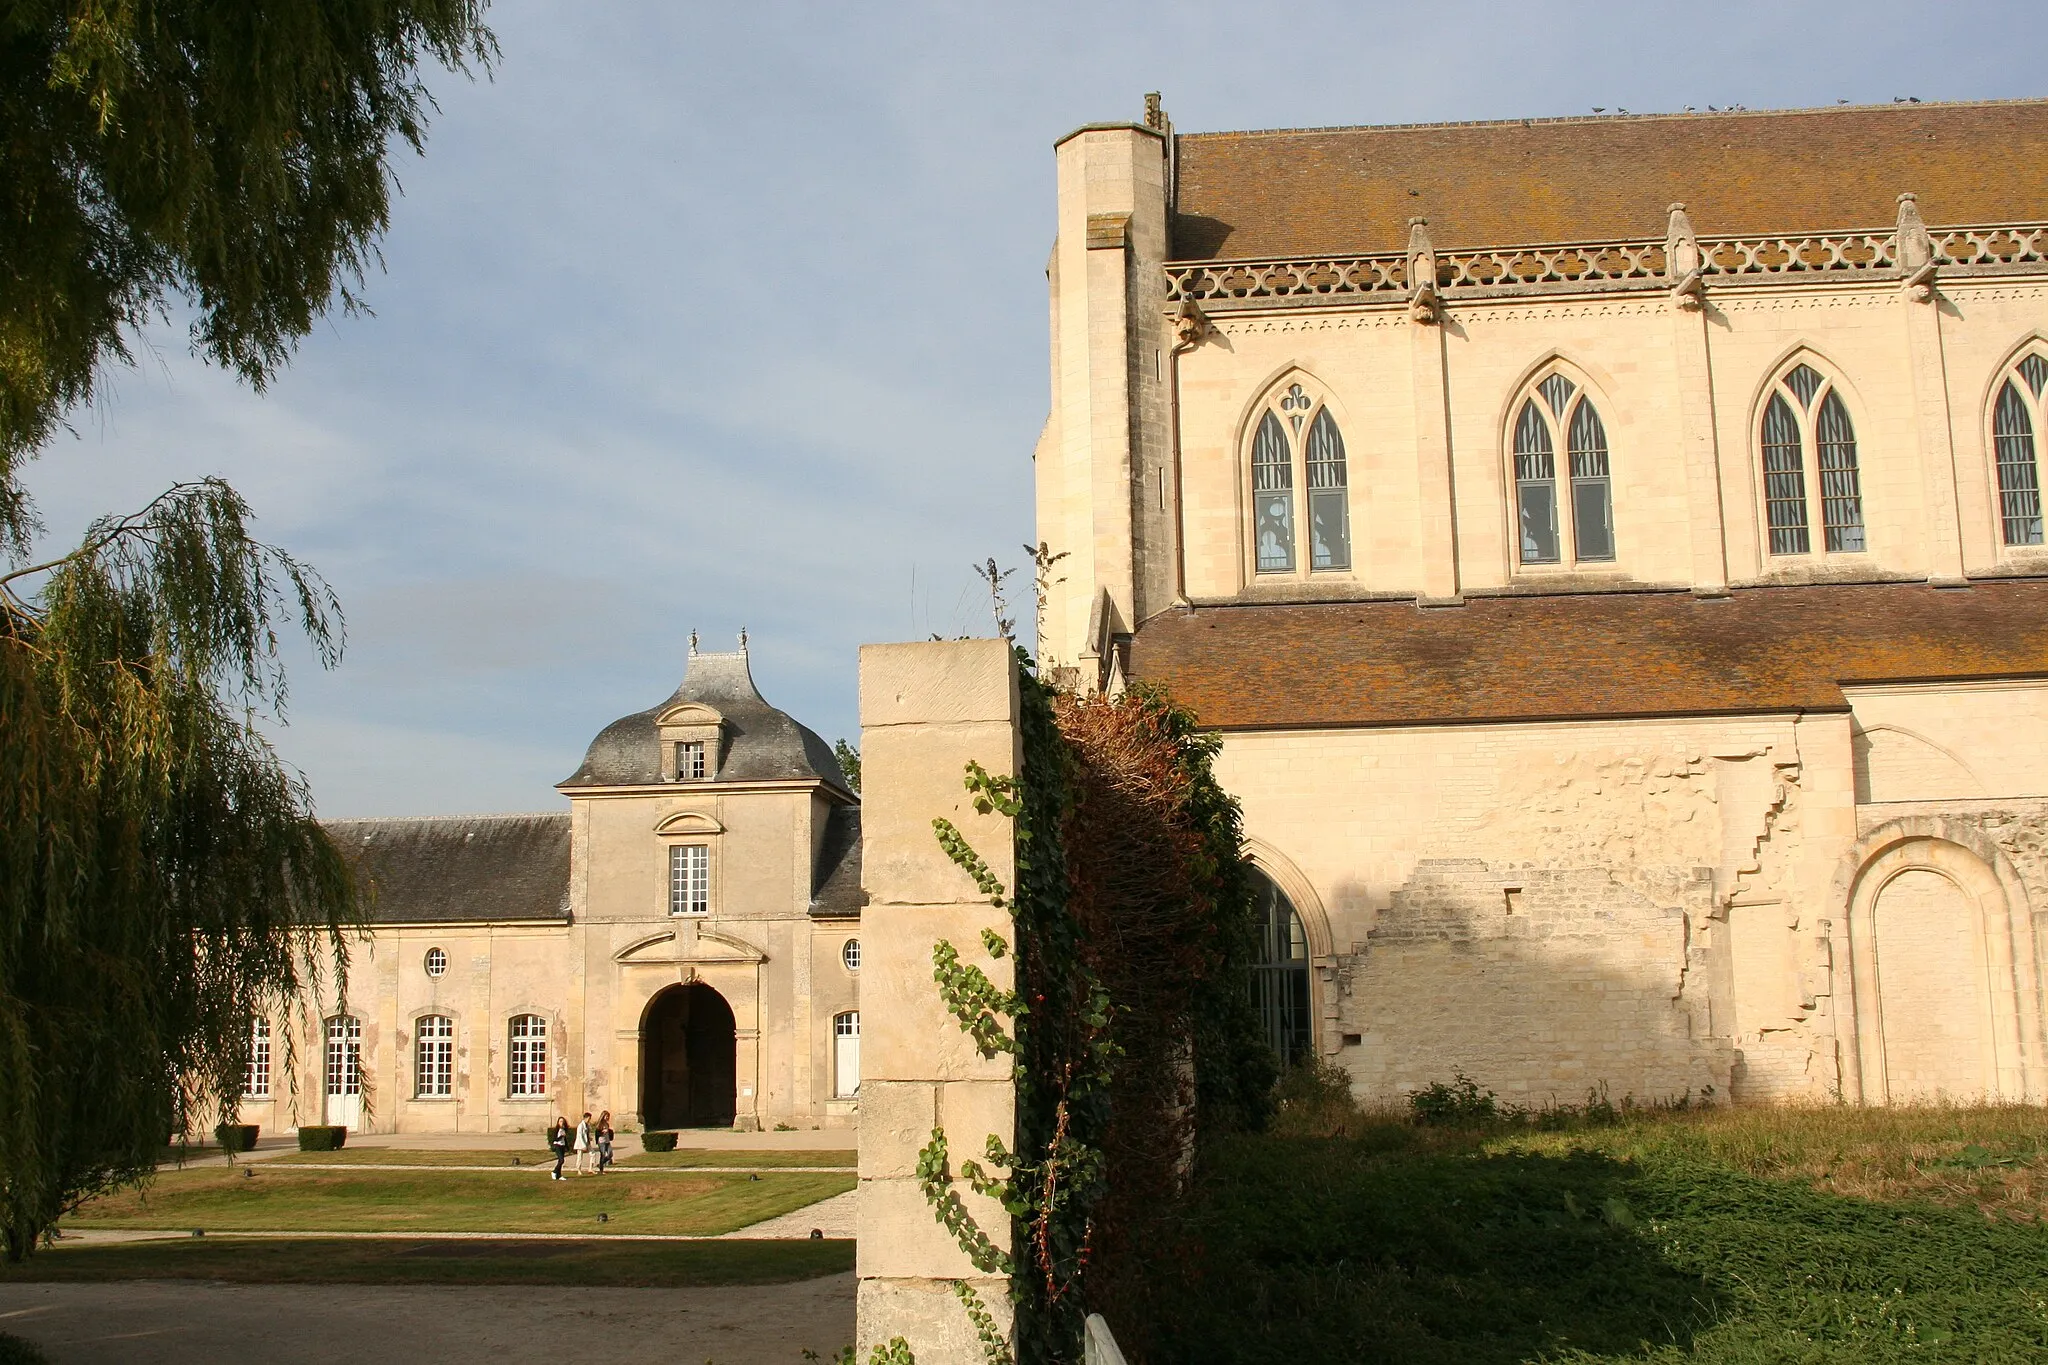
434	819
1606	118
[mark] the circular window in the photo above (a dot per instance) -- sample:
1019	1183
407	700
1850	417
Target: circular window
850	954
437	962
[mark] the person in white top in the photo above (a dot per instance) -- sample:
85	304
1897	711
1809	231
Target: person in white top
586	1145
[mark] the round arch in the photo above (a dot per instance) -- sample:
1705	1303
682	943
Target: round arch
689	1054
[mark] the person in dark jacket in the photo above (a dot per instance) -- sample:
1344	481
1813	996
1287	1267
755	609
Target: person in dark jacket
604	1141
558	1143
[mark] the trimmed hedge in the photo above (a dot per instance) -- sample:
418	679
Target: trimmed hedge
658	1142
322	1137
237	1137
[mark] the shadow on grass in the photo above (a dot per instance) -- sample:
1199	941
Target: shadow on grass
1329	1250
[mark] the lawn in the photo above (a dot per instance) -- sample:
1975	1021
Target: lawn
263	1196
396	1261
695	1157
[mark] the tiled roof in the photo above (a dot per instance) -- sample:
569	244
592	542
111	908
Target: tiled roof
1309	192
836	892
466	868
1585	656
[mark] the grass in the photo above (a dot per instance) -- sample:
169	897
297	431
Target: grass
1822	1235
683	1160
15	1351
314	1261
283	1199
764	1160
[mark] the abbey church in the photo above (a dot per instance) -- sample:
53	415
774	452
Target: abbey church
1611	550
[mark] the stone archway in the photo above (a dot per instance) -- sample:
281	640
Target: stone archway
688	1059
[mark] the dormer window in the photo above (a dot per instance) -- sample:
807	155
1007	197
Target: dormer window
690	761
690	738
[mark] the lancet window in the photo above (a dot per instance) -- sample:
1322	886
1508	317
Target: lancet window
1297	445
1557	414
1809	442
2016	418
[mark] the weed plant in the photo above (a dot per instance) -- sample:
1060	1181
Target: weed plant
1463	1229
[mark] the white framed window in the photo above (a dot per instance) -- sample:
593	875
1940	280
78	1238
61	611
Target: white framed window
344	1056
2017	416
849	954
436	963
256	1083
689	879
1297	444
1808	441
690	761
1563	511
529	1056
846	1054
434	1057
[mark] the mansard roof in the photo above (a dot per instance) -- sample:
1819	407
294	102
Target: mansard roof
468	868
759	743
1585	656
1341	191
836	892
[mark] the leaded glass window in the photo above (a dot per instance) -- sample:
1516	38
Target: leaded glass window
1297	444
1280	980
2013	424
434	1057
1566	419
1808	439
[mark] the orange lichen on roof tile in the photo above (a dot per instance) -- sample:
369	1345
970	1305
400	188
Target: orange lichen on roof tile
1585	656
1352	190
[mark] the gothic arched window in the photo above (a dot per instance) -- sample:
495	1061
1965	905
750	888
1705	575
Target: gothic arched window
1280	978
1558	414
2015	418
1808	441
1297	444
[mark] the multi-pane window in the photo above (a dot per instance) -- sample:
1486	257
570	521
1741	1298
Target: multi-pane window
1297	442
434	1057
256	1083
2015	417
846	1054
1557	413
1808	441
1280	985
690	760
344	1055
437	962
849	954
529	1069
689	879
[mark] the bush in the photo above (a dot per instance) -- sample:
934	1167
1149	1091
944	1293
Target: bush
658	1142
1314	1099
322	1137
15	1351
1459	1102
237	1137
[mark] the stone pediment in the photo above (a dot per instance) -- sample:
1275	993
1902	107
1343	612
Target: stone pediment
689	822
669	946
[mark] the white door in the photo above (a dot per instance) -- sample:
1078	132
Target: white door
344	1071
846	1054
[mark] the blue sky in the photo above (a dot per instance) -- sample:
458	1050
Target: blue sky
711	316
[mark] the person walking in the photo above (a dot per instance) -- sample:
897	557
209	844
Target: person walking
604	1141
586	1145
558	1142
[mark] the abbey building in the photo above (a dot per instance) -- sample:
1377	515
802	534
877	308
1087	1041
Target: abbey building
681	947
1612	552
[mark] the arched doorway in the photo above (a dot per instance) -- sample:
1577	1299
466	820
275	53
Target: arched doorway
688	1075
1932	999
1280	978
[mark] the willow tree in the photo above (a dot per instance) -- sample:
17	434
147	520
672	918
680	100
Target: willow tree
162	878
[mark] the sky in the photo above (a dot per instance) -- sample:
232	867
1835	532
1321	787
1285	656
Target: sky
710	317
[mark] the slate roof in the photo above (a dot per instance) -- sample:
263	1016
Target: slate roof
1334	191
468	868
1586	656
836	891
761	743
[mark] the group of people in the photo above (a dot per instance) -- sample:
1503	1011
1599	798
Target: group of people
588	1142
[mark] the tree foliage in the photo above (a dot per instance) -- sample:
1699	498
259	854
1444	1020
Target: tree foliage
162	878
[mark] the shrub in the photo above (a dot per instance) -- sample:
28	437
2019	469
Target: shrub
237	1137
15	1351
1461	1101
1314	1099
658	1142
322	1137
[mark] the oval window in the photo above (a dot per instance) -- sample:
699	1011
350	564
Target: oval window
437	962
850	954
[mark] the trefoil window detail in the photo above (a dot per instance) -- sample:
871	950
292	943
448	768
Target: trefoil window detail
1808	440
529	1056
1557	413
434	1057
2015	418
689	879
1298	443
